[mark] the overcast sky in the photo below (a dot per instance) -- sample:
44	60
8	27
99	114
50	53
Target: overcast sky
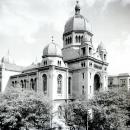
26	26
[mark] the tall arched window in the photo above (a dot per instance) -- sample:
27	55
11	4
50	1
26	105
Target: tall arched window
22	85
13	83
76	38
70	39
35	80
59	83
32	84
79	39
25	83
69	85
83	92
66	41
44	83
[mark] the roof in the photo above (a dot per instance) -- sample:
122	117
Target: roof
12	67
28	68
120	75
77	23
124	74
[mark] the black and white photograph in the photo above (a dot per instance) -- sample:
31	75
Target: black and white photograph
64	65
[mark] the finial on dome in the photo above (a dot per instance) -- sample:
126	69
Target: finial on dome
77	8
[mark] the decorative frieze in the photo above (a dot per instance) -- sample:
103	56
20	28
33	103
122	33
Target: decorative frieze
97	66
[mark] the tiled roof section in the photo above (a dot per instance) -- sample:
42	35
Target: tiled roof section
13	67
120	75
28	68
124	74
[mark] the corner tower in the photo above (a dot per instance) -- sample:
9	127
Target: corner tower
73	34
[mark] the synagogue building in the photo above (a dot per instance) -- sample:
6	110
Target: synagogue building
63	74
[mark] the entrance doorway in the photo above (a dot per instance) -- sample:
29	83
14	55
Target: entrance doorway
97	83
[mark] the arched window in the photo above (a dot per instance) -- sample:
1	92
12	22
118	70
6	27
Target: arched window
79	39
22	85
25	83
59	83
59	63
44	83
66	41
83	91
104	56
97	82
35	82
76	38
13	83
32	84
90	51
70	39
69	85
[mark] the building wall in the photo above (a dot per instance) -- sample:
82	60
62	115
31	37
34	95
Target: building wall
5	78
119	81
83	75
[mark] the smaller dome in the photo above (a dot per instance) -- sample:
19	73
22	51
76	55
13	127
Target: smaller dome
52	50
101	47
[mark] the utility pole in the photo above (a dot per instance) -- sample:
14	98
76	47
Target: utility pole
87	113
87	116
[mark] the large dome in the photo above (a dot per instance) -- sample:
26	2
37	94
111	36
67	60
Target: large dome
52	50
77	22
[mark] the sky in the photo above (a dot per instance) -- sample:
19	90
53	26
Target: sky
26	27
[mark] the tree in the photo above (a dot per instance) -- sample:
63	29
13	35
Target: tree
110	108
24	108
76	114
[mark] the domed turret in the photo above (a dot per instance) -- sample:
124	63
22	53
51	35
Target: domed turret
77	22
74	31
102	51
52	55
52	50
101	47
